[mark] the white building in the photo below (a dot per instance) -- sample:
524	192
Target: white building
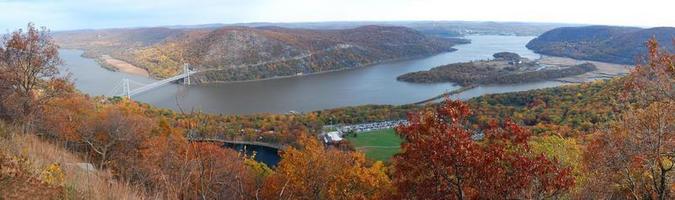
333	136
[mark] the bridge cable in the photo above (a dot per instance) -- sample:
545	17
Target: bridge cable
114	90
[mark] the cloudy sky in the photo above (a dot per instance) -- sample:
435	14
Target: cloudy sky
82	14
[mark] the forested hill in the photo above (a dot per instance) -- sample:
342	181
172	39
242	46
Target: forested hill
601	43
245	53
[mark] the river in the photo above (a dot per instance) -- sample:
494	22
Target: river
375	84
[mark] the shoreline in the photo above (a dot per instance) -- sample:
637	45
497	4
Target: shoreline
103	63
326	71
107	66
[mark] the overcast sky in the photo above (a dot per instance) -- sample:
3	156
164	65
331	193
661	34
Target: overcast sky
83	14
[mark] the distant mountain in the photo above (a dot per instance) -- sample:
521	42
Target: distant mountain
612	44
436	28
245	53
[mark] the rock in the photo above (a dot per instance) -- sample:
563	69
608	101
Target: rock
87	167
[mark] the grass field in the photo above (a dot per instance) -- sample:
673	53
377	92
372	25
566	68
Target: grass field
378	145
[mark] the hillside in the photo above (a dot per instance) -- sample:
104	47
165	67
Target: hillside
244	53
32	167
613	44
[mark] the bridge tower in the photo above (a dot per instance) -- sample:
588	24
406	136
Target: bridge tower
186	70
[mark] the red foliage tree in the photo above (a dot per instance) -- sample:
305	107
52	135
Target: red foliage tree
441	160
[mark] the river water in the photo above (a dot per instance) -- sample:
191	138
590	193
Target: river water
375	84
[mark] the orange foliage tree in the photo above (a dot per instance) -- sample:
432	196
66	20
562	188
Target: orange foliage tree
28	74
635	157
179	169
314	172
653	80
65	116
115	133
440	160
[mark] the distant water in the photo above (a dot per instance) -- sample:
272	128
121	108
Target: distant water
367	85
267	155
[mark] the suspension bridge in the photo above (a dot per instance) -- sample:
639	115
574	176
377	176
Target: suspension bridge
126	84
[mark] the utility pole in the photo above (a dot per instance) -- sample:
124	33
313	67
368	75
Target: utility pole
127	91
186	70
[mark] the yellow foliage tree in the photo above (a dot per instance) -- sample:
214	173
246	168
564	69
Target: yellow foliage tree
315	172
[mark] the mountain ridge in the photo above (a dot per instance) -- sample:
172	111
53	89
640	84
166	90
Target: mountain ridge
614	44
245	53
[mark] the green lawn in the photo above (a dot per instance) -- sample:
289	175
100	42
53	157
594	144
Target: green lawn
378	145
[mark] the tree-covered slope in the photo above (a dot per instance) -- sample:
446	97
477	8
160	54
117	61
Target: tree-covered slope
613	44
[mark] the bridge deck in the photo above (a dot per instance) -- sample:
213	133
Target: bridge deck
159	83
274	146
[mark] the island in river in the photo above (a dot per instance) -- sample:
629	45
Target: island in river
505	68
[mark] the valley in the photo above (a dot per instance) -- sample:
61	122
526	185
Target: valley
375	84
243	53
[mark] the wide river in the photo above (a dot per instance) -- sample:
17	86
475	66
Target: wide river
367	85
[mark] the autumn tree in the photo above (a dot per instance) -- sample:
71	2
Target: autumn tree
314	172
441	158
65	116
220	173
165	163
654	79
635	157
28	73
114	133
179	169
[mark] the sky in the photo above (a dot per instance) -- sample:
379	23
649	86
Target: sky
95	14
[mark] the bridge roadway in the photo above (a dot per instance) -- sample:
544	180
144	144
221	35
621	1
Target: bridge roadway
274	146
159	83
